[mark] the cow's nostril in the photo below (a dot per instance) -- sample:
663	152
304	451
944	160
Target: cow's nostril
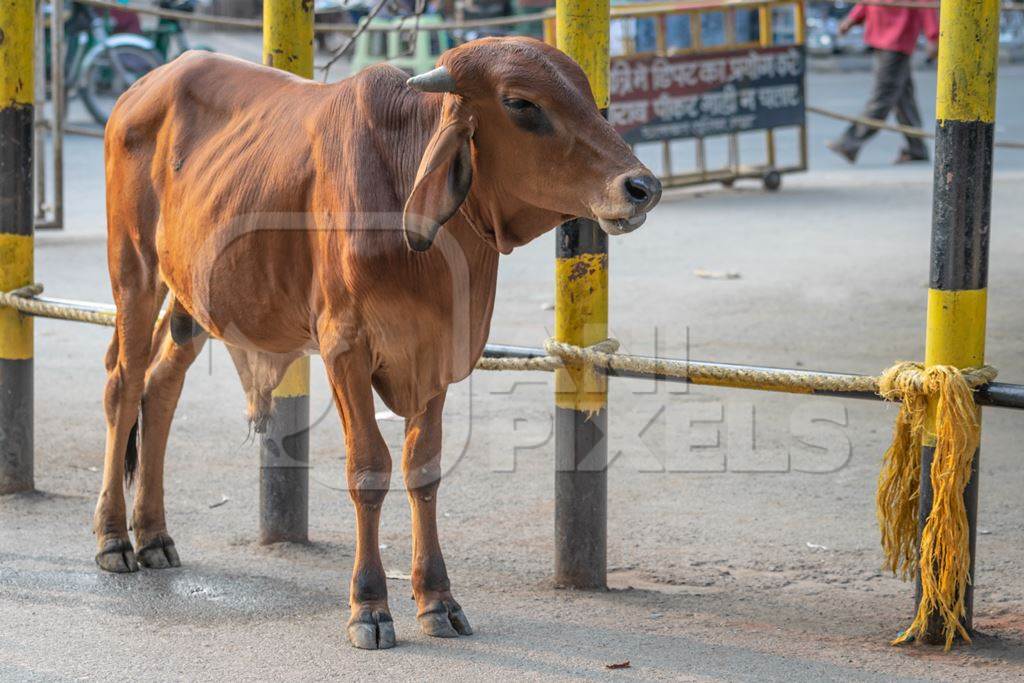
643	190
637	189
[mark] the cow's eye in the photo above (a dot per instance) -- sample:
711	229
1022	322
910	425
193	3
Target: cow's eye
517	104
527	116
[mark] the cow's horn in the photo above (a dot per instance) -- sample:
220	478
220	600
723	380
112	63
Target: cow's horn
436	80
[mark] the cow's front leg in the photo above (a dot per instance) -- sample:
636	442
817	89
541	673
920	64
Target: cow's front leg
368	469
438	613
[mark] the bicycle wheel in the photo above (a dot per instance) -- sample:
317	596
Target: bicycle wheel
104	80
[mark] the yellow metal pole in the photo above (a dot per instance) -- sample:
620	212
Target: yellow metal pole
800	22
764	24
16	251
288	36
284	447
800	11
581	317
582	31
965	109
764	16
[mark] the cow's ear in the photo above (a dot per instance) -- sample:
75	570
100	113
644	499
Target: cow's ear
443	178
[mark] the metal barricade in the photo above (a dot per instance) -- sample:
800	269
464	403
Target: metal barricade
706	71
48	152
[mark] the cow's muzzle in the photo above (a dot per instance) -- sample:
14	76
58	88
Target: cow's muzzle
642	193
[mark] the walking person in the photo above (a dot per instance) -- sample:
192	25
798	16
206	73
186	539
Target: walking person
892	32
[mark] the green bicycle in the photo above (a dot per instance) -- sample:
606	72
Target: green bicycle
100	65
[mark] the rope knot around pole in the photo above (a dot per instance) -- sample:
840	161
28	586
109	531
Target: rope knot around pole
937	409
597	355
26	292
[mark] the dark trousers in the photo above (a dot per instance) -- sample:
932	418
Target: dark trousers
894	89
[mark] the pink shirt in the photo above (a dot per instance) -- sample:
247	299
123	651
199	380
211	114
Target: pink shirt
895	28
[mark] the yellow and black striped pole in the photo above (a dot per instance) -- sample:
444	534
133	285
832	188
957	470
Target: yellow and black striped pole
284	447
16	99
581	318
965	109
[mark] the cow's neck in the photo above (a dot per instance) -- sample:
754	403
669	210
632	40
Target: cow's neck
470	229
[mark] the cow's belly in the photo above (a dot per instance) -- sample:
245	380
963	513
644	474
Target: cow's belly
418	359
250	290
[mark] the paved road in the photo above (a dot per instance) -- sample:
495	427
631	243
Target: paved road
737	551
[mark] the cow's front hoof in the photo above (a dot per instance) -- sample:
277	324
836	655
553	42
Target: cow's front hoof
372	631
444	619
158	553
117	556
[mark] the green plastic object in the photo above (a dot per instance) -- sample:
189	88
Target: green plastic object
412	51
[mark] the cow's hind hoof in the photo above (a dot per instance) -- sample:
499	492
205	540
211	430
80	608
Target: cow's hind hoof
159	553
372	632
117	556
444	619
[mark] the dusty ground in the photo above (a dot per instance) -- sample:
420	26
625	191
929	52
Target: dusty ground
727	563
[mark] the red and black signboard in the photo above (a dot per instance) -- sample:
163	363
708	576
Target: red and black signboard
688	96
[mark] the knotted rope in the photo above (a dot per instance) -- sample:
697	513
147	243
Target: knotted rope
942	558
23	299
603	356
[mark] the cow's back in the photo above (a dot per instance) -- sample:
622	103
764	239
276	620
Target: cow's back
209	172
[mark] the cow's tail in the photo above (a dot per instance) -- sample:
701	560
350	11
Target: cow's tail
131	453
163	327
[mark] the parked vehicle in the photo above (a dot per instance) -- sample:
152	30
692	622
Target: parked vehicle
100	64
414	51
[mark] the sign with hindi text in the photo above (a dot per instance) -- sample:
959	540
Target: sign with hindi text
695	95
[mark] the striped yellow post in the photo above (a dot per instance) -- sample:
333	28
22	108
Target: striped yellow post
284	447
965	112
581	317
16	253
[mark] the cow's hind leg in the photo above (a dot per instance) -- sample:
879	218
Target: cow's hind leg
127	358
438	613
368	469
177	344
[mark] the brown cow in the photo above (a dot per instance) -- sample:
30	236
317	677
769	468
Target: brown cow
273	208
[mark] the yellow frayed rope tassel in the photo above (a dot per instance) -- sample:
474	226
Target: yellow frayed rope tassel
942	559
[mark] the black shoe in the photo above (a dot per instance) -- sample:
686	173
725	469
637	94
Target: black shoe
843	151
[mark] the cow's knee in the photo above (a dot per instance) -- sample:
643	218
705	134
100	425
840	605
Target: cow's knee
423	488
113	390
369	486
116	392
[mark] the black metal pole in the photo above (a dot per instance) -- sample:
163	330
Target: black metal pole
284	462
581	416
